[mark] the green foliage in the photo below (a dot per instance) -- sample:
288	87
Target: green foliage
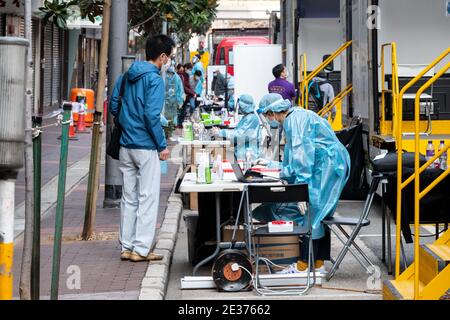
185	17
58	10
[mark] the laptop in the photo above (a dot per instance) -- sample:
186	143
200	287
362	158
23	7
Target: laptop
252	177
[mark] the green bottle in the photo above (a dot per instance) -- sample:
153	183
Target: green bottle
208	174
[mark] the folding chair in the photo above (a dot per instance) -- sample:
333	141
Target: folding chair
347	240
383	168
278	194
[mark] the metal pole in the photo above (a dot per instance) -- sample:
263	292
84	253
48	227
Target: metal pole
25	272
164	26
94	169
67	107
118	47
36	251
13	57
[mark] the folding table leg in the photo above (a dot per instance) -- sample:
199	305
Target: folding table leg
218	237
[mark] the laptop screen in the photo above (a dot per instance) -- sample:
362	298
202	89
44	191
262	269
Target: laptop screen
237	171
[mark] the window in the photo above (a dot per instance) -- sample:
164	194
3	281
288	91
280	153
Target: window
230	57
222	56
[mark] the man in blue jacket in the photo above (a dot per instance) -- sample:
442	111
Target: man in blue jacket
143	145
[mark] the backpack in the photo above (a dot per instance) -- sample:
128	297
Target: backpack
316	96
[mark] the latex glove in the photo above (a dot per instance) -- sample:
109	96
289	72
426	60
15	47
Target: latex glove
302	207
262	162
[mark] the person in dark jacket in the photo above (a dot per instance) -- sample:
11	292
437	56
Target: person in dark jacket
181	71
219	84
143	145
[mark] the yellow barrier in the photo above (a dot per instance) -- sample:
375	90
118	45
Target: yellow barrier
395	86
305	83
303	71
399	140
417	194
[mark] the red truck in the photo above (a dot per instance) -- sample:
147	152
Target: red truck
224	51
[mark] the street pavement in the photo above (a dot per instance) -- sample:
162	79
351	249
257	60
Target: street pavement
102	274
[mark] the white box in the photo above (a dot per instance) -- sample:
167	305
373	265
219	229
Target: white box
281	226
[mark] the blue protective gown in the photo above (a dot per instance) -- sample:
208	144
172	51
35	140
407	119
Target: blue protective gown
314	155
199	66
174	97
247	134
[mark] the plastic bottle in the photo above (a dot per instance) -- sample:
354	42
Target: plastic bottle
430	152
208	175
187	131
224	115
164	167
443	157
200	166
218	167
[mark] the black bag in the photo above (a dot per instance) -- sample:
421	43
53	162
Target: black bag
357	186
316	96
113	148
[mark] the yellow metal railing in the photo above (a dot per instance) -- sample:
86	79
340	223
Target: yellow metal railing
304	84
395	86
303	73
418	195
335	101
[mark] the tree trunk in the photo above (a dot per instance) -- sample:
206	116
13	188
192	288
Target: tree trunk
92	193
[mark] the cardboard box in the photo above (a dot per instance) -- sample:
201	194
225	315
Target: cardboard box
282	251
227	233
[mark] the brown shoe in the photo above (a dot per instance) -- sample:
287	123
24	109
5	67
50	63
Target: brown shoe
135	257
125	255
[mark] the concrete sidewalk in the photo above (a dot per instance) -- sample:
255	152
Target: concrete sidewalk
349	283
102	274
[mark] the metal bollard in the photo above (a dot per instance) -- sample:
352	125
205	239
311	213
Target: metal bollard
67	108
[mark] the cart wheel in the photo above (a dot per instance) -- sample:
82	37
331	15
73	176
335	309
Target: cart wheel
225	278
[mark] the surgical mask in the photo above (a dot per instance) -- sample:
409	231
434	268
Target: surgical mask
166	66
274	124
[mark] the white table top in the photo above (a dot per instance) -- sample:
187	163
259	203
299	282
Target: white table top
229	184
204	143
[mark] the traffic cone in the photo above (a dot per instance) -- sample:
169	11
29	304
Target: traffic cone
72	135
81	125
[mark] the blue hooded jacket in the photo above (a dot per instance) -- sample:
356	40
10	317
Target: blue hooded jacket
142	103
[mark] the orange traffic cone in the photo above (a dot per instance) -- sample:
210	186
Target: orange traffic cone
72	129
81	125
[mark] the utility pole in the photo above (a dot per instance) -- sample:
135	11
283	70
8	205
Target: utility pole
13	58
164	26
118	47
25	272
94	167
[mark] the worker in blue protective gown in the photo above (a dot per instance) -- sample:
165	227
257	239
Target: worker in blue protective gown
313	155
174	97
247	134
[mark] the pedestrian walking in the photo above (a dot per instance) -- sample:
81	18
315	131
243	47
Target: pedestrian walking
143	145
174	98
190	94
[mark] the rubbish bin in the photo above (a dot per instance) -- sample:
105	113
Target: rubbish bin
88	96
